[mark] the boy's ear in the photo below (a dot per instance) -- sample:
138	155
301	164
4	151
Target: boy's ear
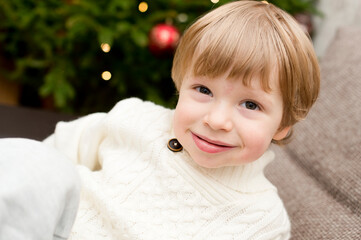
281	134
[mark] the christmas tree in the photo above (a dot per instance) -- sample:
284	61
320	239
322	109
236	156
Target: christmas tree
85	55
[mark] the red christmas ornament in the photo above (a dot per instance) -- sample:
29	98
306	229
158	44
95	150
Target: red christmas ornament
163	39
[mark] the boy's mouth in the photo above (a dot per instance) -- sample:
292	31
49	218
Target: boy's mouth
210	146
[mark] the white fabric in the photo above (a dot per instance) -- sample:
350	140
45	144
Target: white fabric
39	191
134	187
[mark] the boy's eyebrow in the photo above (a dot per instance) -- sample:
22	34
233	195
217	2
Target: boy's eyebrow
262	96
256	93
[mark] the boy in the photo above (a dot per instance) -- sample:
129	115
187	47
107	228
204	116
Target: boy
246	73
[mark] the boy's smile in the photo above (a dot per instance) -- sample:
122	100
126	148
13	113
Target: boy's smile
220	122
210	146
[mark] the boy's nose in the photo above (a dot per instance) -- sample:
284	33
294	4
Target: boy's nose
219	117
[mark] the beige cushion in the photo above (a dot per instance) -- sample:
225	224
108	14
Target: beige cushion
323	174
314	212
328	143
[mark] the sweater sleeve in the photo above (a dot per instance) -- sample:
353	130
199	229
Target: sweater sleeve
80	139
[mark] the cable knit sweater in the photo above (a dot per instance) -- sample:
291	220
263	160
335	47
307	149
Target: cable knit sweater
134	187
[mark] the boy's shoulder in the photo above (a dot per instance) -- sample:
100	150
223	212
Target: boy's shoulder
136	105
136	113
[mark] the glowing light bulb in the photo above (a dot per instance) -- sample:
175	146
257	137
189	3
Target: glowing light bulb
105	47
214	1
182	17
143	7
106	75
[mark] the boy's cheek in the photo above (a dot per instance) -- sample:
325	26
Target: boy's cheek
187	112
256	140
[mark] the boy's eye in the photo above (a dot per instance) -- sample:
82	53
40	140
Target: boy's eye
204	90
250	105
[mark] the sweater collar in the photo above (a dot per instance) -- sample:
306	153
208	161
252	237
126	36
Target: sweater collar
246	178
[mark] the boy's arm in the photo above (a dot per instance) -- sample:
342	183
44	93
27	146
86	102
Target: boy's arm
79	140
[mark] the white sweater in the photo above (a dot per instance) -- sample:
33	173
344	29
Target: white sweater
134	187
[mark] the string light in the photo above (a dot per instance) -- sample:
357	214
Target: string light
214	1
105	47
106	75
143	7
182	17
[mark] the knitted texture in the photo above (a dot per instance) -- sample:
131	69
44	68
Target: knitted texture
134	187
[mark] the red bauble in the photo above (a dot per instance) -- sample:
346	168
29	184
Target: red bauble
163	39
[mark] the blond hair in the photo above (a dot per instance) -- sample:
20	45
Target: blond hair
248	39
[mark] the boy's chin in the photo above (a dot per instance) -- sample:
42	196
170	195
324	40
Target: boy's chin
219	161
209	162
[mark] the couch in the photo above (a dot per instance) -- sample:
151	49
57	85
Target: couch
318	174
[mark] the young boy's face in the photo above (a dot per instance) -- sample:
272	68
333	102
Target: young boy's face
221	122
